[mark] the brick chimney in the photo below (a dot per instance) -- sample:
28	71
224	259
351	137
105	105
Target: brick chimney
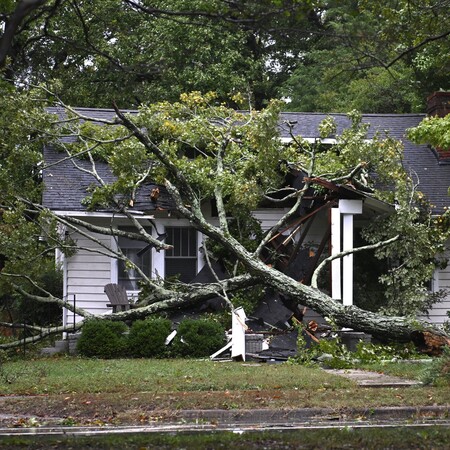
438	104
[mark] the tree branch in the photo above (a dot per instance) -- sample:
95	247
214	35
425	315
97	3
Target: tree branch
49	297
23	9
349	252
43	333
416	47
165	160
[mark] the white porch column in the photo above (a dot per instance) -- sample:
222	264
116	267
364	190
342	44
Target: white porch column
238	328
347	261
158	263
336	291
200	258
347	208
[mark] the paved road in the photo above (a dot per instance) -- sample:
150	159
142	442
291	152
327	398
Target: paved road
263	419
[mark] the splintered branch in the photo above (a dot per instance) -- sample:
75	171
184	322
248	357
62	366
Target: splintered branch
282	221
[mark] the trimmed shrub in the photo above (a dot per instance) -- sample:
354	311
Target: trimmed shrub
198	337
102	339
147	338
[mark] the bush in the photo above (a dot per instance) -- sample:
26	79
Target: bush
438	374
147	338
102	339
198	337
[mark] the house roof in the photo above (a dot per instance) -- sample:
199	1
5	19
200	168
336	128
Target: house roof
65	187
432	175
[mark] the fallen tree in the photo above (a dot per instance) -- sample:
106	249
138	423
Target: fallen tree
240	162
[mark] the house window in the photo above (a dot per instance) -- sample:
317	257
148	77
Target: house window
129	277
181	260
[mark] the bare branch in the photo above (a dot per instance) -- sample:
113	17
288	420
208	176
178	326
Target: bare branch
223	294
282	221
43	333
320	267
416	47
165	160
218	187
49	298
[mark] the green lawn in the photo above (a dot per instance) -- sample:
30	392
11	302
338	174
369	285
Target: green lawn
195	384
67	375
409	370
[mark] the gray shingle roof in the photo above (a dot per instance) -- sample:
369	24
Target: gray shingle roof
420	160
65	186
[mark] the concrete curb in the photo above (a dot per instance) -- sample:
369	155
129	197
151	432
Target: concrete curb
311	414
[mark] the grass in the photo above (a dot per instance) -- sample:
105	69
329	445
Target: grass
131	388
56	376
410	370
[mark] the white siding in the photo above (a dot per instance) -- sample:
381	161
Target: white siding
268	217
438	313
87	274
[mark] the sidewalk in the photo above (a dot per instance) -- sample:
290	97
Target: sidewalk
373	379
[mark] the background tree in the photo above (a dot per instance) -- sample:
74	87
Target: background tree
22	249
374	56
133	52
321	54
17	18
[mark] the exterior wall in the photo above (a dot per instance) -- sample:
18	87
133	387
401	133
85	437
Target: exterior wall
85	276
87	272
441	280
268	217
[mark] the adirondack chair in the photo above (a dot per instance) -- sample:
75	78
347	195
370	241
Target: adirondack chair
117	295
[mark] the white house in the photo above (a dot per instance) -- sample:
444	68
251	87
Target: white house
330	227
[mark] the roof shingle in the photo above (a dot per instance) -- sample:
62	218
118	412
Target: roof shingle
65	187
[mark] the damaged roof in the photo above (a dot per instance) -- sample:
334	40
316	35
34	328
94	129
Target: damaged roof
431	174
65	187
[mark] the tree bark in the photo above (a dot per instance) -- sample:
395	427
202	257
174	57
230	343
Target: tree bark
23	9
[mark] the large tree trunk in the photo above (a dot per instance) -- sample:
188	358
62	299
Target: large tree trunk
384	328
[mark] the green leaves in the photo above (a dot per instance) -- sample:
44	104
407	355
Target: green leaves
432	130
